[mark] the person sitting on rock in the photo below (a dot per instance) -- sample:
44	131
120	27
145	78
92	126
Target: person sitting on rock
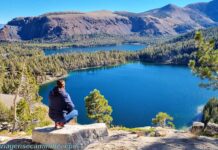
61	107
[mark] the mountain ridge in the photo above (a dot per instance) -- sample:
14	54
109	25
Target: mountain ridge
208	9
63	26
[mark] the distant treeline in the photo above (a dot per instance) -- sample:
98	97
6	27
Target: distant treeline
178	50
96	40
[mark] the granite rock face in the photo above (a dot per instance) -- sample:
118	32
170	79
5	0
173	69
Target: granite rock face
74	137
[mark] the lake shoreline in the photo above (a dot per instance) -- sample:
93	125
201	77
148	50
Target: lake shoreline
89	46
125	47
52	79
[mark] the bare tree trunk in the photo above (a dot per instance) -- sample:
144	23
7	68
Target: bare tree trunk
15	110
15	121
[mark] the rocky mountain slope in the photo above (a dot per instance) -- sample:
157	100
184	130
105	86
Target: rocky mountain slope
168	20
208	9
63	26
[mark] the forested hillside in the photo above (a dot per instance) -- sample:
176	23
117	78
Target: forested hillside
178	50
13	56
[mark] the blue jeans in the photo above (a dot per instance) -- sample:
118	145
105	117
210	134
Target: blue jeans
69	116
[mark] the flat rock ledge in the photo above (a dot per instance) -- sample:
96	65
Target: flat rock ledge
71	137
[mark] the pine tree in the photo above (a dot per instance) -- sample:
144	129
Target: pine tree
23	114
28	111
163	119
206	66
5	113
98	108
206	63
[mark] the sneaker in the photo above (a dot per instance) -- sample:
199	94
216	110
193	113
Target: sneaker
59	125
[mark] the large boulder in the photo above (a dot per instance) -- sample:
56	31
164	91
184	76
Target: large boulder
160	133
197	128
71	137
211	129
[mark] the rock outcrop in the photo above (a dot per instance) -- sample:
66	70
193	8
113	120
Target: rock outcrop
161	133
211	129
174	140
197	128
124	140
75	137
63	26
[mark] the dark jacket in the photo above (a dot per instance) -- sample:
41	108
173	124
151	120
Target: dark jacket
60	104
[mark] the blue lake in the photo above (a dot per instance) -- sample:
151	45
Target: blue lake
122	47
137	92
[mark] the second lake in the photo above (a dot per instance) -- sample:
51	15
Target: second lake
122	47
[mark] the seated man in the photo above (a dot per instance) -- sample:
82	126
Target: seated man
61	107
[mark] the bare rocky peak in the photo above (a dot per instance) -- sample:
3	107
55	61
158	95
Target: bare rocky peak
208	9
198	6
168	8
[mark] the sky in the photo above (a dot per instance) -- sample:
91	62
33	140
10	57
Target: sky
10	9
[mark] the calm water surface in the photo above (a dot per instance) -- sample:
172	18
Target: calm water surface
137	92
122	47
